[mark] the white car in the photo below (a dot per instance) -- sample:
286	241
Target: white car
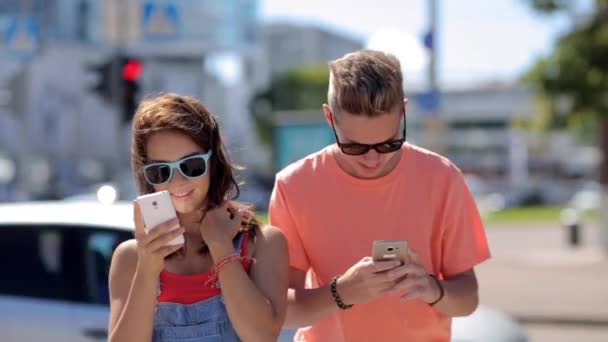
55	258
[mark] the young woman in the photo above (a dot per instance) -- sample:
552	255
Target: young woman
228	281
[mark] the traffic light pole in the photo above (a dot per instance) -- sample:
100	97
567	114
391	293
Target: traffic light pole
123	77
121	14
434	126
25	154
432	53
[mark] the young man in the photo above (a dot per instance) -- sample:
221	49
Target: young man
372	185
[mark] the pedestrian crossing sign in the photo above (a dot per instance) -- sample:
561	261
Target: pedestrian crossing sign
23	37
160	20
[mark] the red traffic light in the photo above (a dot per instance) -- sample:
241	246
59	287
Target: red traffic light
131	71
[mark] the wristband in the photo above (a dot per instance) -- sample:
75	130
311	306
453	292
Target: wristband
441	290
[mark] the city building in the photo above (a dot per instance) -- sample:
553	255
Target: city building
61	47
289	45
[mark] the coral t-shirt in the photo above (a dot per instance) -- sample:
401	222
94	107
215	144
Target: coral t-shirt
331	220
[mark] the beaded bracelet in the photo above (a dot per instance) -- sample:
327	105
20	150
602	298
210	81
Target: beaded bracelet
334	292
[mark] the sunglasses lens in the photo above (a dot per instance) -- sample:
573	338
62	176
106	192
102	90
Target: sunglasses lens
193	167
354	149
157	174
390	146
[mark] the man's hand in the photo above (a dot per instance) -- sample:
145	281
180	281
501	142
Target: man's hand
414	281
367	280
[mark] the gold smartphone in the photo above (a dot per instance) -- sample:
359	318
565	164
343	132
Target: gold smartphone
384	250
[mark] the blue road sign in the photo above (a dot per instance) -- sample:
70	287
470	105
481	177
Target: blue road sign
160	20
429	40
23	38
429	102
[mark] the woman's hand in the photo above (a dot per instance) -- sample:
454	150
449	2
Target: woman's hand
219	225
152	248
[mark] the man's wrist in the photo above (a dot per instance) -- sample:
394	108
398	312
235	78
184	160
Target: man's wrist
333	287
440	290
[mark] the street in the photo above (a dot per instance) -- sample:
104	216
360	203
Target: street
559	293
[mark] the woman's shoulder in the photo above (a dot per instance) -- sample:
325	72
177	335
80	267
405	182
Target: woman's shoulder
270	238
125	255
271	233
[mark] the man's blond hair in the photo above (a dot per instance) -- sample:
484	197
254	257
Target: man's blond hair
365	82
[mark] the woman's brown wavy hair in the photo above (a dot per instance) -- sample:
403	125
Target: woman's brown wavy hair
189	116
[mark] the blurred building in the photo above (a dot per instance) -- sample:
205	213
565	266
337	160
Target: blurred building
288	45
482	134
203	48
479	135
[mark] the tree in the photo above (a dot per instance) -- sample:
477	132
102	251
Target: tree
575	76
296	89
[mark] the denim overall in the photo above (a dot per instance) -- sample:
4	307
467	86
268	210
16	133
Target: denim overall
204	321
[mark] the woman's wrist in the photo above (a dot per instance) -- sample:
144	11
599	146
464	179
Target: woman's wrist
220	250
440	290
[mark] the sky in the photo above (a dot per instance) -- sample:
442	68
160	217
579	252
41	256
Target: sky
478	41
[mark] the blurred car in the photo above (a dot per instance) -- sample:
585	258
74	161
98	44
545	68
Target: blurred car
487	199
483	325
541	194
123	188
487	324
56	257
588	198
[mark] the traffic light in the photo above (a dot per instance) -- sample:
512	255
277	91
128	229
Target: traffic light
117	82
102	86
131	69
13	93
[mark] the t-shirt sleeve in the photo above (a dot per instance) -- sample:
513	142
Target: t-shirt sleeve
280	216
464	240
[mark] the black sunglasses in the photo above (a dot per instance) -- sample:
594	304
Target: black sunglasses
357	149
190	167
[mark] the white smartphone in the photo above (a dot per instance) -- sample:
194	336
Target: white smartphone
157	208
384	250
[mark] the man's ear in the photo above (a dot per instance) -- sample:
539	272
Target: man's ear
328	114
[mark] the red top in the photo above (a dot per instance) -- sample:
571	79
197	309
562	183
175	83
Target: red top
190	289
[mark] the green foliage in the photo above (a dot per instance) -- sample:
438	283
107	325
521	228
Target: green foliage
538	215
297	89
572	83
549	6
